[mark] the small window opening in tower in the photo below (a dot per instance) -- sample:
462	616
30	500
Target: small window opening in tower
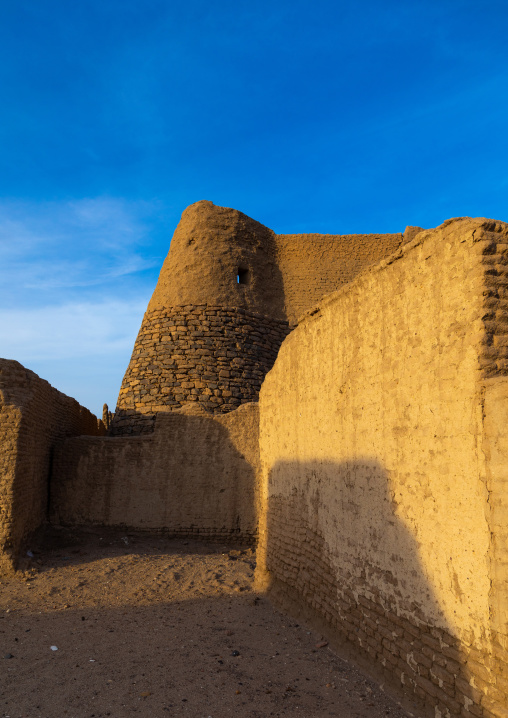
242	276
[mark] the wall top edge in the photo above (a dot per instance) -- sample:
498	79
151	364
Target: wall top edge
15	376
458	229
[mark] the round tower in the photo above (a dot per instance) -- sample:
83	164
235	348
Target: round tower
214	324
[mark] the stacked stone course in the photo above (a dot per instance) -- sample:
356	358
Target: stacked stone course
207	354
491	671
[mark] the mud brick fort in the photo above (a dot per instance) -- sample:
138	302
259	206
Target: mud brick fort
340	401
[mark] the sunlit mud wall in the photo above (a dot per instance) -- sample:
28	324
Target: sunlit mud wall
384	455
313	265
195	475
33	416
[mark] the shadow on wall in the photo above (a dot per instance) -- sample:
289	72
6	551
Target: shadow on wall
335	552
195	475
129	422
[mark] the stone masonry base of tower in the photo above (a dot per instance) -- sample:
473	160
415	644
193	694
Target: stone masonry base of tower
213	356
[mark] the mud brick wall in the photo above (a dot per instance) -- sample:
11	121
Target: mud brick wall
33	416
493	240
195	475
491	668
313	265
384	459
205	354
494	243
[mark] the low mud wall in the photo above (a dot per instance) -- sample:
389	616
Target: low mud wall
384	469
195	475
33	417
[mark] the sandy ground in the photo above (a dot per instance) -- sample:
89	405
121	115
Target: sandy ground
158	627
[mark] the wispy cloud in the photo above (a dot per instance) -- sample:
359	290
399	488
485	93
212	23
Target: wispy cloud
71	331
82	243
74	286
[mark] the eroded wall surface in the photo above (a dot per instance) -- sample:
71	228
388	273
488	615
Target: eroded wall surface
33	416
384	514
314	265
195	475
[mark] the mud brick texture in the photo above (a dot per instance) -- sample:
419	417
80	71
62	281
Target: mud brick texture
33	417
384	456
195	475
313	265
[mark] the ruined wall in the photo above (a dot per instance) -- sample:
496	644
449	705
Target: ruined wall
313	265
195	475
384	463
33	416
220	310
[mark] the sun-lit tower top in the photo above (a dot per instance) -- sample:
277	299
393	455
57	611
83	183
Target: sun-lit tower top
219	256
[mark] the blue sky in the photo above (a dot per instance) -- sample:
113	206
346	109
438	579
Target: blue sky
308	116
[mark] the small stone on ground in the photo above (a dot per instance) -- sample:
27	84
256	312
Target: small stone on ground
133	639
